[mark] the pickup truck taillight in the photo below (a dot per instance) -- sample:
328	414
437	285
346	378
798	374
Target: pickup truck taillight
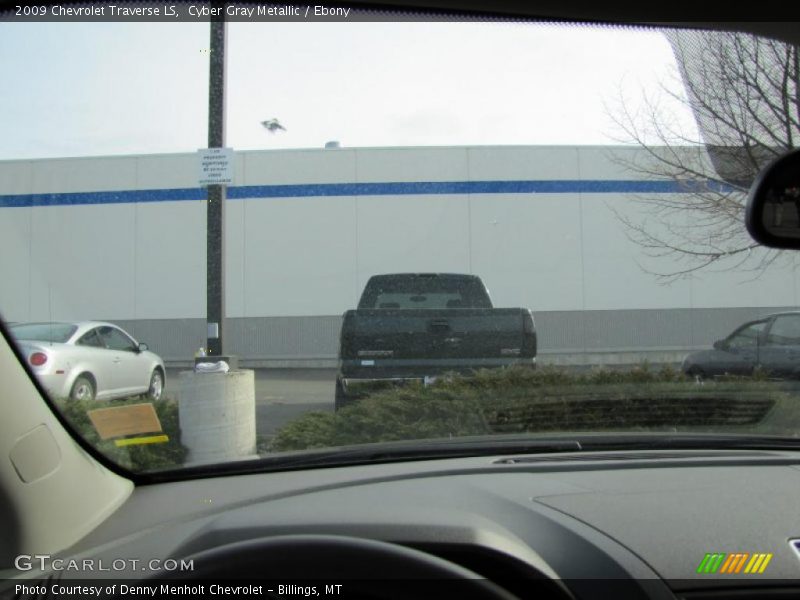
528	335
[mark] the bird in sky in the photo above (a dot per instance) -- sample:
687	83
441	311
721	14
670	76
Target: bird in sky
272	125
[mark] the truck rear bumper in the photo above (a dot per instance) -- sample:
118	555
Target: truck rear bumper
368	374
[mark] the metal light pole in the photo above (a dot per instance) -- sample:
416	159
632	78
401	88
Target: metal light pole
209	437
215	243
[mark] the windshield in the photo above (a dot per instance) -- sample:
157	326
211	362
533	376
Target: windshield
301	218
424	291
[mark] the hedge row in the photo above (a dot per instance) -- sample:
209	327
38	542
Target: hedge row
489	402
544	400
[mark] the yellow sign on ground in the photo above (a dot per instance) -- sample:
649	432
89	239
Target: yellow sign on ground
138	441
121	421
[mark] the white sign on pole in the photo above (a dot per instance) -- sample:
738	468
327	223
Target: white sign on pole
216	166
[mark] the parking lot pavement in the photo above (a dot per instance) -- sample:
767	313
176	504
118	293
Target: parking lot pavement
282	395
283	386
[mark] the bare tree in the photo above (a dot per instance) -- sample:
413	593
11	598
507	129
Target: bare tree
744	93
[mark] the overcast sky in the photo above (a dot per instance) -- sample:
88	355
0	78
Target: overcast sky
114	88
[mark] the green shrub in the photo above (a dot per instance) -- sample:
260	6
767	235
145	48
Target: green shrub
146	457
412	412
523	400
313	430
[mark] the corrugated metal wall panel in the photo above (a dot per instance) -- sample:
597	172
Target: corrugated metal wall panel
320	334
560	332
637	329
651	329
172	339
259	337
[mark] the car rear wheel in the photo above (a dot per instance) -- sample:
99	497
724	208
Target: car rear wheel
156	388
82	389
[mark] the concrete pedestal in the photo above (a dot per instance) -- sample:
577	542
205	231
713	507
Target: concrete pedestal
217	414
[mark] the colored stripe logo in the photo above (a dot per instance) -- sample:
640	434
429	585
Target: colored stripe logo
734	563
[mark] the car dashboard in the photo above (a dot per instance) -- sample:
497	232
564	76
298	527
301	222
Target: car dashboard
631	524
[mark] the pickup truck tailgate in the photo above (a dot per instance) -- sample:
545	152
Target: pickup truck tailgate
434	334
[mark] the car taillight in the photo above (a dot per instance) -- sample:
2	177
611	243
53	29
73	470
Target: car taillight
37	359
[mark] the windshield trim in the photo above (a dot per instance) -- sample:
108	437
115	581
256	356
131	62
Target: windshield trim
502	448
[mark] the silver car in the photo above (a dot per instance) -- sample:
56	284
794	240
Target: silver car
89	360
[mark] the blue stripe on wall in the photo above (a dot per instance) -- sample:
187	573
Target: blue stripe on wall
368	189
121	197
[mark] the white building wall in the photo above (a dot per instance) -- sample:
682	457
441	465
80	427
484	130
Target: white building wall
310	255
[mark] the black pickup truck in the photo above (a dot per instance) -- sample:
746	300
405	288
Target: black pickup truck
415	326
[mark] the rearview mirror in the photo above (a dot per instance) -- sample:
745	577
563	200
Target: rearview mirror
772	215
142	347
720	345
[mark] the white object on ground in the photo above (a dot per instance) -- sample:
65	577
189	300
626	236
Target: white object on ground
209	367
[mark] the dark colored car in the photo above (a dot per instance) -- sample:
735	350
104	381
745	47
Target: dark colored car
771	343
